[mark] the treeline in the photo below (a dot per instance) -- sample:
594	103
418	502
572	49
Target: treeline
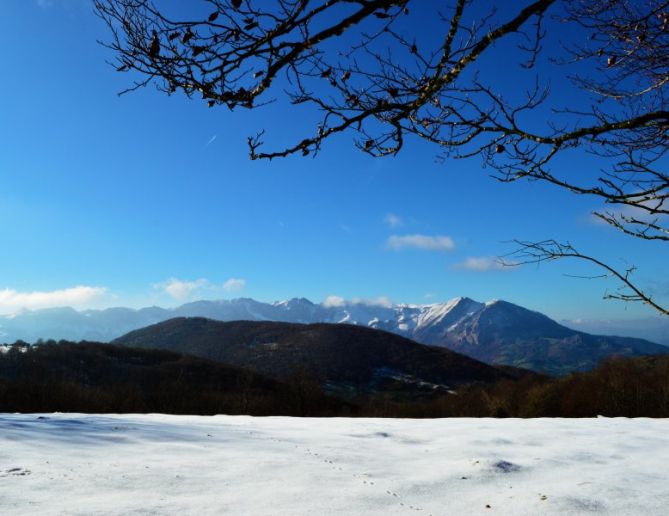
102	378
618	387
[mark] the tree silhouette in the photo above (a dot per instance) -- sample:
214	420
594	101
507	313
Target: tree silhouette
367	70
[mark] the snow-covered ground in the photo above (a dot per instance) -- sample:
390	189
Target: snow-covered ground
157	464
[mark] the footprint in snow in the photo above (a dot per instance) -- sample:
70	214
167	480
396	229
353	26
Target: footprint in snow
504	466
16	472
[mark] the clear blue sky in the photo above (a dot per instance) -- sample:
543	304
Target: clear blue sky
154	200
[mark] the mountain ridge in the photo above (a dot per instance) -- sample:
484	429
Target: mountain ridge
496	332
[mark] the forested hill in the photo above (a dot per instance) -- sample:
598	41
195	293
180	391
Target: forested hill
345	358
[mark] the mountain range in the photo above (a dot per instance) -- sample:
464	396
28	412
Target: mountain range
496	332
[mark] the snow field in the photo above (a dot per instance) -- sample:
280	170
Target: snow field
239	465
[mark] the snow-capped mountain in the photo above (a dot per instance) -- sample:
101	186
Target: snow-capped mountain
494	332
106	325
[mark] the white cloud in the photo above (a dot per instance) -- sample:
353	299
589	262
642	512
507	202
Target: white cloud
181	290
234	284
338	301
623	211
377	301
334	301
210	141
66	4
425	242
13	300
393	221
483	264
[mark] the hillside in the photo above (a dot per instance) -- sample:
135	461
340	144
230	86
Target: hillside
94	377
346	359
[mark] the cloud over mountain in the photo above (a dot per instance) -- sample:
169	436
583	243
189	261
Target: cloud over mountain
182	290
13	300
234	284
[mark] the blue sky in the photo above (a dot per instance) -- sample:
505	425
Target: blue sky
148	199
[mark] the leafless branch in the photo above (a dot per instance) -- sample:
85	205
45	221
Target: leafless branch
366	71
550	250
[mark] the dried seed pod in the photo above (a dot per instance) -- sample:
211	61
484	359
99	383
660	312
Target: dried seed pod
188	35
154	47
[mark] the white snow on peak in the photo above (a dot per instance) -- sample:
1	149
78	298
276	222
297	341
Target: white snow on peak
344	317
436	312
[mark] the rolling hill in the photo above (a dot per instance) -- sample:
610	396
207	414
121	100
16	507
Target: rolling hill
345	359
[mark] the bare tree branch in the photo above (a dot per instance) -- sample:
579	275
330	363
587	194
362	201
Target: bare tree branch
366	71
549	250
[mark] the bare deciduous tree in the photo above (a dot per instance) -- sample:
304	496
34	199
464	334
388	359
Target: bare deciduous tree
362	65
